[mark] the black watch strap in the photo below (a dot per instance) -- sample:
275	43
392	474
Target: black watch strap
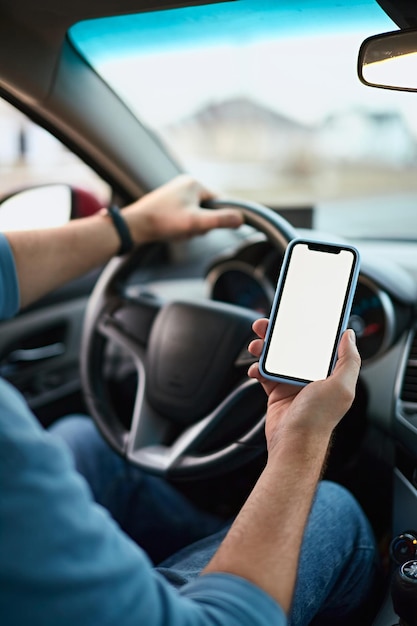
120	224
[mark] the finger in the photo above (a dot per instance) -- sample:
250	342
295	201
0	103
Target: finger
229	218
206	219
260	326
348	364
255	347
348	357
269	385
253	372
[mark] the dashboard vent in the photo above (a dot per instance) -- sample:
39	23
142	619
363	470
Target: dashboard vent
409	386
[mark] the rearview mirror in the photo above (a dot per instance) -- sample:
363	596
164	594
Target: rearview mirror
389	60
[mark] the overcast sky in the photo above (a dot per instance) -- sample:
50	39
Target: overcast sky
304	79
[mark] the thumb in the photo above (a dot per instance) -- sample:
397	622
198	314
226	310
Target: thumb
348	363
219	218
229	218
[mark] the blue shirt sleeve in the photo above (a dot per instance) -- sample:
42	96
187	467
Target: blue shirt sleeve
9	286
64	561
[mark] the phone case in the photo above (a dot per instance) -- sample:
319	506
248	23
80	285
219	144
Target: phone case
346	314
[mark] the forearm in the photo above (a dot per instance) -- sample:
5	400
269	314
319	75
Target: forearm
46	259
264	542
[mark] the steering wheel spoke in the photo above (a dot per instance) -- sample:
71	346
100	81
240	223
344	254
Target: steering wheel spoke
128	322
184	451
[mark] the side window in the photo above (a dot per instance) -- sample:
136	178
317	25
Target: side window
31	157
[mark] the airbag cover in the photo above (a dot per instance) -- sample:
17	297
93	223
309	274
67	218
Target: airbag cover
191	354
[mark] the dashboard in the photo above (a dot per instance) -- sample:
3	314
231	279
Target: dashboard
242	268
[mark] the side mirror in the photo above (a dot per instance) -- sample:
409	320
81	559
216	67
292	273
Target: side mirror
45	206
389	60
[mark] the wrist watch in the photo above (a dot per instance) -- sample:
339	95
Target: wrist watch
126	241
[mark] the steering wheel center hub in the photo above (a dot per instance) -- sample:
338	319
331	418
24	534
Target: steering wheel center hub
191	354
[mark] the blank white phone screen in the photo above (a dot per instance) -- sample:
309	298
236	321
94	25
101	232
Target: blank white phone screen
309	313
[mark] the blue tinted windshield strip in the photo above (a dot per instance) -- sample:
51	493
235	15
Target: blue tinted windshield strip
207	25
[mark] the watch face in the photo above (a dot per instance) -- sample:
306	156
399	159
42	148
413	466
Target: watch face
409	571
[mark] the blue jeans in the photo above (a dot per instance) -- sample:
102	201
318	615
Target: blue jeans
338	558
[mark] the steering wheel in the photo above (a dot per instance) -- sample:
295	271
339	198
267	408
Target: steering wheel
196	413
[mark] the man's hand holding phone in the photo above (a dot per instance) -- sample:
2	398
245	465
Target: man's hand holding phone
310	311
265	539
317	408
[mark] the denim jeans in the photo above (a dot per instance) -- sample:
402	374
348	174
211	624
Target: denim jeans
338	556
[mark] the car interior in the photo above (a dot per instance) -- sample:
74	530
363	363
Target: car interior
303	115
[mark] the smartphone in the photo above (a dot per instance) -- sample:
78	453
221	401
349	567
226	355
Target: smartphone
310	311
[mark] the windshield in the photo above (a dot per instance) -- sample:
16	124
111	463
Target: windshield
261	100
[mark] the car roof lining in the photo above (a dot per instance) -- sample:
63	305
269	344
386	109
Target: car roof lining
53	18
402	12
